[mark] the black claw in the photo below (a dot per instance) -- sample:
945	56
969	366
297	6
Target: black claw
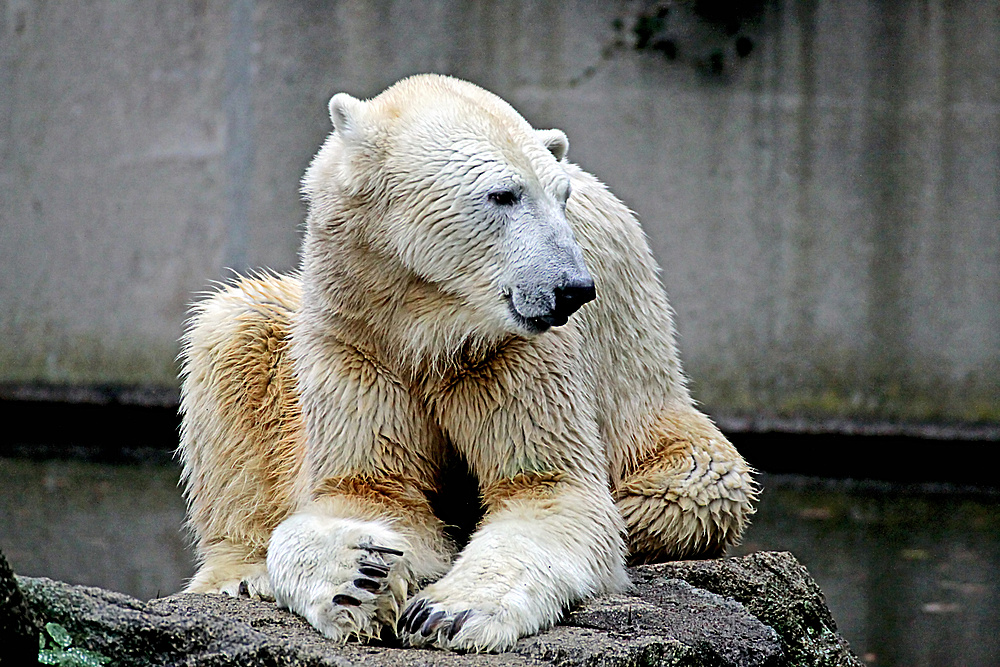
408	613
382	550
367	584
370	569
404	620
346	600
244	590
416	611
380	564
432	623
419	619
457	624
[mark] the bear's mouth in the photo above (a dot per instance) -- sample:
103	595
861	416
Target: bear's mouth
536	325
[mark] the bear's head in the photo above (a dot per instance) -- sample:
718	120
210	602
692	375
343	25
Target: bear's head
438	185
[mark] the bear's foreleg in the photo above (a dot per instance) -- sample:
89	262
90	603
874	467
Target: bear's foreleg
690	496
552	535
348	561
545	544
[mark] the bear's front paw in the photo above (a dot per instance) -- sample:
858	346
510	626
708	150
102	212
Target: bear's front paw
339	576
365	602
454	626
425	623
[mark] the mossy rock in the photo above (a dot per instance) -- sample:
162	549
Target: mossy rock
761	610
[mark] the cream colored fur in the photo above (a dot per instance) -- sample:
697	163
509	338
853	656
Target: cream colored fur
318	408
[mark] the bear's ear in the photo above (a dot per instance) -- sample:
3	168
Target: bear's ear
346	112
555	141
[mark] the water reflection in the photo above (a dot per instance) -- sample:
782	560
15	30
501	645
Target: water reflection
114	526
912	574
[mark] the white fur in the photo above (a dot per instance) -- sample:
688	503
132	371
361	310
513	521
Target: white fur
522	569
313	558
319	408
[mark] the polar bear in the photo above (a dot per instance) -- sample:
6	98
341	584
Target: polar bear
445	310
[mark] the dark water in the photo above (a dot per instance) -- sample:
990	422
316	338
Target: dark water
912	573
114	526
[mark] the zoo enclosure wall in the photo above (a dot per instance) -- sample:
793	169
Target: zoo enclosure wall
819	181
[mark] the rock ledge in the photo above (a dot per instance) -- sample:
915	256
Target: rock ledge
760	610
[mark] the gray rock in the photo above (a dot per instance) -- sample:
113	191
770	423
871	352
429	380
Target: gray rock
777	589
18	627
760	610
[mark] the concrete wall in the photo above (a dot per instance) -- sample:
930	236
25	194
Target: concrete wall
818	180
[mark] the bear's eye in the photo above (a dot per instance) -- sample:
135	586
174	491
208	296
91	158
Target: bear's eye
504	197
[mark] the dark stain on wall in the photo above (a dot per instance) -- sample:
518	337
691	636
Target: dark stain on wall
712	36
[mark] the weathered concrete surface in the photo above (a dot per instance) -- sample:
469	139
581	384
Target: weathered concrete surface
665	620
818	180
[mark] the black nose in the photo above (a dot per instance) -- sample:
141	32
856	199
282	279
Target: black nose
572	295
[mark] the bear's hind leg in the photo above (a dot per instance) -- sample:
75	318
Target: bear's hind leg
232	570
242	440
690	496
